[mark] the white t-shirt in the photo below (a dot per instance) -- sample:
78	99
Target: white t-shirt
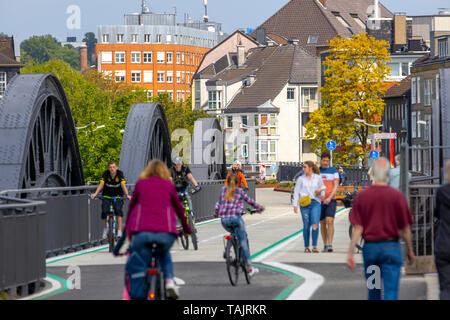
307	187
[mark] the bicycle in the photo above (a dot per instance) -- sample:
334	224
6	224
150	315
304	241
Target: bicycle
190	220
112	221
234	255
347	201
155	286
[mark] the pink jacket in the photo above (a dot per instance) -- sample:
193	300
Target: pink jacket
153	207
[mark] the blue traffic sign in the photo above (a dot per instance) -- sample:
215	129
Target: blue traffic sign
273	167
374	154
331	145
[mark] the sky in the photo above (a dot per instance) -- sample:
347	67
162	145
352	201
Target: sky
25	18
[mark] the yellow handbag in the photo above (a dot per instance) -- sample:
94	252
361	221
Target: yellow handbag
305	201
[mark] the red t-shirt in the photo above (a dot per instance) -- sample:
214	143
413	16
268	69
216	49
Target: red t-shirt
382	211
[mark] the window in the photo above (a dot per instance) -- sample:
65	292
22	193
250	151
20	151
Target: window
418	90
136	76
313	38
106	57
427	127
305	117
413	90
414	124
273	125
244	120
182	58
291	93
178	95
168	38
267	150
256	120
229	122
263	131
182	76
160	57
405	69
306	146
147	38
2	83
135	57
158	38
309	97
443	48
149	93
419	126
178	57
105	38
120	38
340	19
427	91
120	57
178	76
169	76
160	92
148	76
134	38
197	92
395	72
169	57
170	93
148	57
120	76
358	20
438	87
161	76
214	100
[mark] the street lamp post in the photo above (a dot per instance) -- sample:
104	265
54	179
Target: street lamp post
369	125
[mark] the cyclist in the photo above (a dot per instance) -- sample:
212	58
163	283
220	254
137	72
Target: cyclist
236	169
152	218
229	209
113	185
181	175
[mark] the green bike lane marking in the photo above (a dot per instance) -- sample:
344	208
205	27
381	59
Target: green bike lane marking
283	295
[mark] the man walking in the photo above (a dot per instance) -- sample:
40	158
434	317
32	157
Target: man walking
381	215
330	177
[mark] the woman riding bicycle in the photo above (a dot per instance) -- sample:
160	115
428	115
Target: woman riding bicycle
152	215
229	209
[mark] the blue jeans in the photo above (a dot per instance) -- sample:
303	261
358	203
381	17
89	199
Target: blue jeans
236	224
387	256
165	240
311	216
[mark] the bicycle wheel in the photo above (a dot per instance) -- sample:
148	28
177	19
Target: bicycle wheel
244	269
194	232
111	237
232	262
184	241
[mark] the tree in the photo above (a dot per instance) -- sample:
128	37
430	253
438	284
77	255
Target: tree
91	41
355	71
40	49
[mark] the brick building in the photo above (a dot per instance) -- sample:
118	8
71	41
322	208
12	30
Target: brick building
154	52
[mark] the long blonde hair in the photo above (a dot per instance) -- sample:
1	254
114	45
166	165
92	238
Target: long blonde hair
232	182
156	168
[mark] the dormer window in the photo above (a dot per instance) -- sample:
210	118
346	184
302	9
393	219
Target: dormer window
313	38
443	47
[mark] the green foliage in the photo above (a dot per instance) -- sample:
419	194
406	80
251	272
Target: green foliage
40	49
100	110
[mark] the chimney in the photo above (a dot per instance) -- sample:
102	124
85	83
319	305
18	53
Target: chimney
323	2
241	55
399	30
83	58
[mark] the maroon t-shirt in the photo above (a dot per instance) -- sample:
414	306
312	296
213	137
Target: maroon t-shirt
382	211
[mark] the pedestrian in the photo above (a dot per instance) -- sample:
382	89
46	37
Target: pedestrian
308	189
394	176
342	176
236	169
151	217
381	215
442	247
330	178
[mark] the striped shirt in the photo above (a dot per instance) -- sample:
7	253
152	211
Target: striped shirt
227	209
329	176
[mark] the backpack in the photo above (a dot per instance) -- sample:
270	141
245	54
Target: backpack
135	276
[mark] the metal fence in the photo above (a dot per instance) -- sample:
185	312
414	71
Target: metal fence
422	202
73	220
22	244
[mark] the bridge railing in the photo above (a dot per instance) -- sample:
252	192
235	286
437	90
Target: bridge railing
73	220
22	244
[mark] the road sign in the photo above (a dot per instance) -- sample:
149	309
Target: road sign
374	154
331	145
273	168
385	136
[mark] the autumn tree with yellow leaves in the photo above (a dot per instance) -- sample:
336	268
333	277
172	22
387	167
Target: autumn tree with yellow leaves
354	73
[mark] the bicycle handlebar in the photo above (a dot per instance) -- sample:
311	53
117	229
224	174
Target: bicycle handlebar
101	197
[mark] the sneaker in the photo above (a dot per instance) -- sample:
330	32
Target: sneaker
119	233
330	248
105	234
325	248
171	289
253	271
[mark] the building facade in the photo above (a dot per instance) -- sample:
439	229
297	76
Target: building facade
9	66
154	52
